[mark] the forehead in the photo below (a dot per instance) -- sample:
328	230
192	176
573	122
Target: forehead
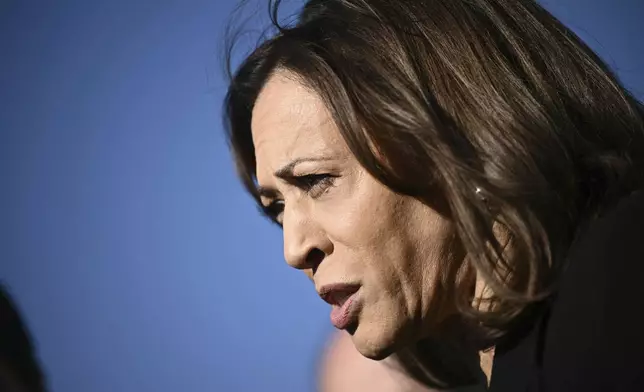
290	121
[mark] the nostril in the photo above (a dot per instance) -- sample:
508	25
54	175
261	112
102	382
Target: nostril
314	258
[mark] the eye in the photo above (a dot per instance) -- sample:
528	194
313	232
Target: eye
315	184
273	211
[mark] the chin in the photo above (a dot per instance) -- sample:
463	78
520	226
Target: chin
375	341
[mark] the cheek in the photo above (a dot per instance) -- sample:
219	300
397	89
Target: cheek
358	217
367	234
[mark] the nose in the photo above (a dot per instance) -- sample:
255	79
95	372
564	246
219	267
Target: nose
305	243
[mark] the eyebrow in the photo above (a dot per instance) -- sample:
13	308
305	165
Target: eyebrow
286	173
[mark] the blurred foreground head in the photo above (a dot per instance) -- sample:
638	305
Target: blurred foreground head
344	369
19	368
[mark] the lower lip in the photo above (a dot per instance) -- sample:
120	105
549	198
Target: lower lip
343	316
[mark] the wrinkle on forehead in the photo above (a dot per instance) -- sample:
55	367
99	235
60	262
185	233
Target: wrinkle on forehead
290	121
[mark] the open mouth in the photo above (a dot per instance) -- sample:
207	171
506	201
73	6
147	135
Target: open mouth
338	294
344	304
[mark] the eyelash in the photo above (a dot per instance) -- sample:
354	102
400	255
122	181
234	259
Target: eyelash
315	185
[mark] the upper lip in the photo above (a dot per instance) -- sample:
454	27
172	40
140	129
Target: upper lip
337	293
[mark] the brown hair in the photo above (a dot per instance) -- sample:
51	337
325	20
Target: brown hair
446	96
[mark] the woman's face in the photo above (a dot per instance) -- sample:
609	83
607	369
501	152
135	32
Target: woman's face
377	256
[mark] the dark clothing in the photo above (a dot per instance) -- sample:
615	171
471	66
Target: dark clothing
591	335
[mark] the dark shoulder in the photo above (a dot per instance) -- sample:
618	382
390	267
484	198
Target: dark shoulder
593	339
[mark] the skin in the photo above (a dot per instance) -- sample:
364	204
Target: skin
343	226
343	369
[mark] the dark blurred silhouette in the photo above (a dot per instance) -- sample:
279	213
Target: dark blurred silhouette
19	367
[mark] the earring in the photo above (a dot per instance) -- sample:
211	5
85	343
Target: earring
479	194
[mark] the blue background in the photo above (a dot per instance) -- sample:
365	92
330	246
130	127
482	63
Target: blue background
137	260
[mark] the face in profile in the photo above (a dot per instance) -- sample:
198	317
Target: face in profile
376	256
